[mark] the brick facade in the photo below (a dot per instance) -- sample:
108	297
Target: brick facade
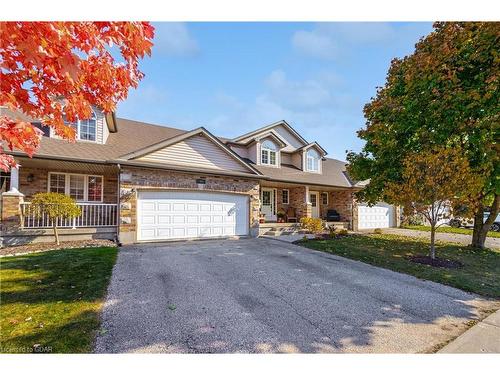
345	203
40	179
133	179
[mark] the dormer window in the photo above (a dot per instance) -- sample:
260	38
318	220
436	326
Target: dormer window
268	153
85	129
312	160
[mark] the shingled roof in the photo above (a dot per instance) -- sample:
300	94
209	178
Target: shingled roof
136	135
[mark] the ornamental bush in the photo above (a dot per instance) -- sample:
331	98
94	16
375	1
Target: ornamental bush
56	207
313	225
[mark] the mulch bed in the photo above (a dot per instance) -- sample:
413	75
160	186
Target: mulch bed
40	247
437	262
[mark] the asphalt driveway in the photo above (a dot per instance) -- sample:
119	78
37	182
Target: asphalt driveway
262	295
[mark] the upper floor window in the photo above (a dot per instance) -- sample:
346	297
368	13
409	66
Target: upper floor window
268	153
85	129
312	160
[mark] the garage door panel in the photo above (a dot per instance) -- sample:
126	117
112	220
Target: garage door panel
164	219
172	215
378	216
148	206
163	206
148	219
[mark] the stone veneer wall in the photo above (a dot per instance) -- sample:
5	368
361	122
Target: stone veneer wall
41	176
151	179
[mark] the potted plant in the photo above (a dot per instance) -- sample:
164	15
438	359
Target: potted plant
262	218
281	216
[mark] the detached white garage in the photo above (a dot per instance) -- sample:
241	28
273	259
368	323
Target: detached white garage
380	215
168	215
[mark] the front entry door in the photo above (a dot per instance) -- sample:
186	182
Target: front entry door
314	198
267	204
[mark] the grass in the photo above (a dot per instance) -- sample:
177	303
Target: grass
50	301
480	273
449	230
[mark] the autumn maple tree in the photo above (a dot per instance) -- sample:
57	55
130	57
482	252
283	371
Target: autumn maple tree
445	93
56	70
433	183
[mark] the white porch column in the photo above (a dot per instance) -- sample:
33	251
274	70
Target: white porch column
14	179
308	198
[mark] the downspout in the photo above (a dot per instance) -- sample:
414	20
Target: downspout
118	242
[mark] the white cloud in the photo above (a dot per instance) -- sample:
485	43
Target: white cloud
332	41
317	107
174	39
315	44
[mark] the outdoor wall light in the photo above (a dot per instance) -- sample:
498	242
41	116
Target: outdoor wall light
30	178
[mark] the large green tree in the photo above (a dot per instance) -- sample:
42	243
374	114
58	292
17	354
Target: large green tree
444	94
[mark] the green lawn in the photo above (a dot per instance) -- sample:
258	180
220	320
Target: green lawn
449	230
53	299
480	273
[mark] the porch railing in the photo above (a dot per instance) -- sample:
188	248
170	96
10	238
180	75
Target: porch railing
93	215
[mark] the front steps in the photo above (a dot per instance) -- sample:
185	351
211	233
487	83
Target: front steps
284	229
280	230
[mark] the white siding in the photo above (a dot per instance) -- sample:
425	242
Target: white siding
105	130
197	151
297	160
240	150
286	158
100	124
253	153
292	141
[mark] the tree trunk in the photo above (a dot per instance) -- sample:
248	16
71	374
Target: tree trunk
432	252
56	233
482	227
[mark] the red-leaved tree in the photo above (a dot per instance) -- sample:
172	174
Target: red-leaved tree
55	69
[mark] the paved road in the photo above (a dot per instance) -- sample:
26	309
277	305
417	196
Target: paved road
261	295
465	239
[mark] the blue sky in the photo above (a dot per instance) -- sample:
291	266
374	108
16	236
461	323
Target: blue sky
235	77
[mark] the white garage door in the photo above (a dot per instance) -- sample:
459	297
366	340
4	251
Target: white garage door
380	215
178	215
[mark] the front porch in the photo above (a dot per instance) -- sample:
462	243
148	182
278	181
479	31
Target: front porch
94	186
284	204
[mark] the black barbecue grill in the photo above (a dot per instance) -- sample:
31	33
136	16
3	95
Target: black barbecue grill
332	215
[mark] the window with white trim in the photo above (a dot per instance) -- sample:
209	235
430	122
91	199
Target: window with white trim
268	153
81	187
324	198
85	129
285	196
313	158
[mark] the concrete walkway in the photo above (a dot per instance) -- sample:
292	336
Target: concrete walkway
463	239
484	337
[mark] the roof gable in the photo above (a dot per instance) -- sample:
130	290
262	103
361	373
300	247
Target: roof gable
315	145
197	148
281	128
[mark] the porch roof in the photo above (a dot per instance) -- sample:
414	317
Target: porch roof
334	174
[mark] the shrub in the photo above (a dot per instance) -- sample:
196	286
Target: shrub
377	231
313	225
332	231
56	207
343	232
